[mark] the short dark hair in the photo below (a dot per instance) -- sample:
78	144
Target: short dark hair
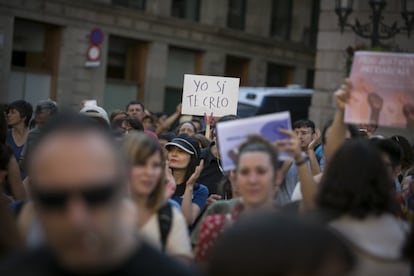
135	102
356	182
132	121
390	148
24	108
277	244
304	123
407	159
70	122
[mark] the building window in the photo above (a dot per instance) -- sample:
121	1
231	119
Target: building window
180	61
135	4
281	18
125	72
236	14
186	9
310	76
35	61
279	75
237	67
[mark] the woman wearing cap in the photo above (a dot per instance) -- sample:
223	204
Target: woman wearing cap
148	184
184	159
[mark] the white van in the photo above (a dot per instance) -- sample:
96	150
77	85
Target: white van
263	100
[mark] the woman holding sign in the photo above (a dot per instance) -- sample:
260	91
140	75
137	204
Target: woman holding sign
184	161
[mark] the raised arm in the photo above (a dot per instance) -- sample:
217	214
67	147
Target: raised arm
336	133
165	126
308	185
191	210
313	161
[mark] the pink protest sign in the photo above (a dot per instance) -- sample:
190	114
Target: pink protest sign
383	90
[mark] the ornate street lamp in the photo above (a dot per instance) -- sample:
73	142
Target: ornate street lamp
376	29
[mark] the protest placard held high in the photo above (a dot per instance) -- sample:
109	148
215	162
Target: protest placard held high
383	90
209	94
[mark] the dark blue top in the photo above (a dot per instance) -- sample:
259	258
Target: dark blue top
200	194
17	150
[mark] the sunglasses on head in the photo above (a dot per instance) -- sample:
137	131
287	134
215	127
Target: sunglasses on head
57	200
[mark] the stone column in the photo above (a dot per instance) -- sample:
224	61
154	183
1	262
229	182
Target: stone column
330	63
155	76
77	82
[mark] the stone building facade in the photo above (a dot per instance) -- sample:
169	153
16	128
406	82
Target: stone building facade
147	46
331	56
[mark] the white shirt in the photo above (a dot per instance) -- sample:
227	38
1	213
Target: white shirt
178	240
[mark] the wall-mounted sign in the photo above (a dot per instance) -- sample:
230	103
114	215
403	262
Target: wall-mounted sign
93	54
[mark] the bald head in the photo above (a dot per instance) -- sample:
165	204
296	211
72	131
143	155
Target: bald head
76	181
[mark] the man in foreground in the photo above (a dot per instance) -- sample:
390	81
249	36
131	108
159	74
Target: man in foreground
78	183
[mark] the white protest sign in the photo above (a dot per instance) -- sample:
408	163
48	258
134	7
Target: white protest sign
231	134
210	94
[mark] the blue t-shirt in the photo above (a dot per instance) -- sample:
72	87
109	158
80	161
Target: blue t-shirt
200	195
17	151
174	204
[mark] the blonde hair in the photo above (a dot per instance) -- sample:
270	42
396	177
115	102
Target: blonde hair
138	147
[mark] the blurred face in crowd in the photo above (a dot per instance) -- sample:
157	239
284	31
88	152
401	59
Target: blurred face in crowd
147	123
125	127
305	136
369	128
178	159
186	128
14	118
393	171
197	125
41	118
119	116
136	110
75	182
255	178
145	177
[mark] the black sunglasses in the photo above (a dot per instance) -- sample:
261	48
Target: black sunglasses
57	200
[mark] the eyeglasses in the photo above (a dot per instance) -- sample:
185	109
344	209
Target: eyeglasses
95	196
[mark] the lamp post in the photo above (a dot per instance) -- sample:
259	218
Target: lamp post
376	30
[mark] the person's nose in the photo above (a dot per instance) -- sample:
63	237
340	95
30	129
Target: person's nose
252	178
173	152
148	170
77	212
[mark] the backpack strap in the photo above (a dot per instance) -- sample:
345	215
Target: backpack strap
165	222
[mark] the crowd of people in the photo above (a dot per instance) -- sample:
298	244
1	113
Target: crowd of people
142	193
